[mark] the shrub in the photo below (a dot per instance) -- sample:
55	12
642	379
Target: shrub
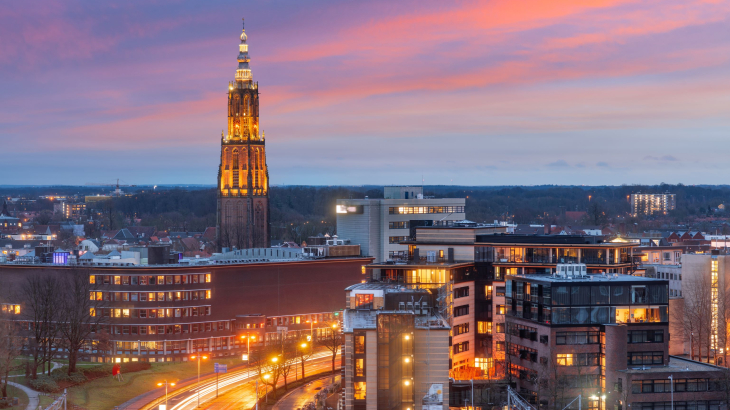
44	383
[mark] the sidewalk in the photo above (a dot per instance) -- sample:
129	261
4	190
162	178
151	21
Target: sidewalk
299	397
33	399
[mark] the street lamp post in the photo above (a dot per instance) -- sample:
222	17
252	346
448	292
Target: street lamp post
266	377
166	383
301	356
198	357
671	387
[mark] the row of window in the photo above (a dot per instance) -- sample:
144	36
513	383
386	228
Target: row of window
577	338
150	296
402	210
634	358
680	385
149	280
461	347
398	225
461	310
522	352
678	405
170	329
578	359
646	336
152	313
397	239
461	292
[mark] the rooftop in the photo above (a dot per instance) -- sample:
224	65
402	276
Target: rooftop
584	279
367	319
676	364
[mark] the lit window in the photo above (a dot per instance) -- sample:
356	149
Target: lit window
359	388
92	279
207	294
117	280
565	359
92	312
359	367
207	277
125	312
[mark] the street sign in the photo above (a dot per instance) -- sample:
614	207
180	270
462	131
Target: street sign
220	368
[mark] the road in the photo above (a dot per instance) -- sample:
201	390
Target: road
237	386
298	398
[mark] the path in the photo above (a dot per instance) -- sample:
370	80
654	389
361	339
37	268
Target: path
299	397
33	399
54	367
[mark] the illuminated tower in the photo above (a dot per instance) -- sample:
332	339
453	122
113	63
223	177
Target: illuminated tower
243	179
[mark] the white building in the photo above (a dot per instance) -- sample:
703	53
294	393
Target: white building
379	225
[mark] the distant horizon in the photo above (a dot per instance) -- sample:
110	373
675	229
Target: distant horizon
466	93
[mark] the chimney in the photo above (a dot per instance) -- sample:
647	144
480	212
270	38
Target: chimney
546	229
451	255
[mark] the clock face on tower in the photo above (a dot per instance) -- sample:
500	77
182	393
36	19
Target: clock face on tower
243	177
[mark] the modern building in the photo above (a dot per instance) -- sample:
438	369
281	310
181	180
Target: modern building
603	337
243	177
396	347
471	264
380	225
164	312
652	204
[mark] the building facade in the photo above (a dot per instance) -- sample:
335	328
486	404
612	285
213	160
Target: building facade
652	204
380	225
164	312
243	178
395	350
603	337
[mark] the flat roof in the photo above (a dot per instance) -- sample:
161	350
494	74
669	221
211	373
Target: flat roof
676	364
592	278
420	264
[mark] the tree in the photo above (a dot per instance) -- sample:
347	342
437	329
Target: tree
271	364
10	345
80	314
40	293
333	342
305	350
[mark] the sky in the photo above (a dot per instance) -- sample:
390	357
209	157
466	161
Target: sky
499	92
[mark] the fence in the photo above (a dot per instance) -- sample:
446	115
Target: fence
59	403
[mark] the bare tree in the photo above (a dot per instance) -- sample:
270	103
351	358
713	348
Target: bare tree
305	350
40	293
698	313
80	314
10	346
269	365
333	342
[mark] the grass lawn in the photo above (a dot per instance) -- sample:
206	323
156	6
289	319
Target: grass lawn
22	397
46	400
105	393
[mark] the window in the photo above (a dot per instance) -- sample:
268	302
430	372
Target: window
461	329
359	388
92	279
500	291
645	358
499	346
499	327
500	309
484	328
398	225
578	359
461	310
461	347
117	280
359	367
207	277
646	336
397	239
364	301
461	292
207	294
359	344
577	338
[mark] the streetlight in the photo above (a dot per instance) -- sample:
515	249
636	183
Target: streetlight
267	377
198	357
248	346
311	329
301	356
166	383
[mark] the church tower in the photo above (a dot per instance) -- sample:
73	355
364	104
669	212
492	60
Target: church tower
243	179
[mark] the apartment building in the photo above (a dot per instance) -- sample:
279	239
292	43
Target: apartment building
604	337
652	204
395	351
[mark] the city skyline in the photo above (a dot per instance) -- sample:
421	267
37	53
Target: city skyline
470	93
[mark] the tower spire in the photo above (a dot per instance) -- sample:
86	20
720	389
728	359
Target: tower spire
243	73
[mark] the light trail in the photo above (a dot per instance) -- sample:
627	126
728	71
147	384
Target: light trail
230	381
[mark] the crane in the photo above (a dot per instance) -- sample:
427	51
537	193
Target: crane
117	191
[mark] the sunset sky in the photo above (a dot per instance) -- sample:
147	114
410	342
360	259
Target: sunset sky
370	92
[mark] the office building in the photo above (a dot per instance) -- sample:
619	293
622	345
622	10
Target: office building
396	347
604	337
380	225
243	178
73	211
652	204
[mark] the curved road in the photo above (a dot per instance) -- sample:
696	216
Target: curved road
236	387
